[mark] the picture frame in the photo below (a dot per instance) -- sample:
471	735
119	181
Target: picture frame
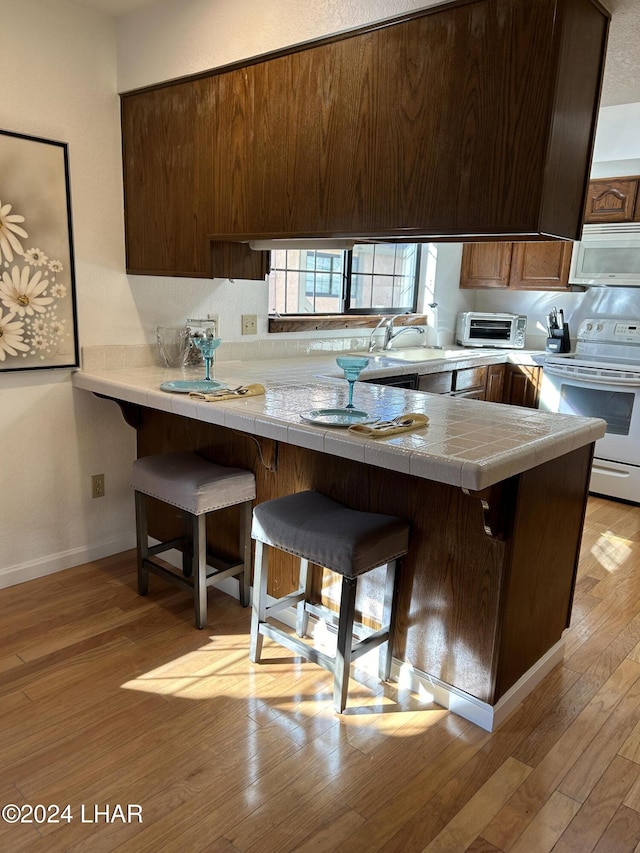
38	312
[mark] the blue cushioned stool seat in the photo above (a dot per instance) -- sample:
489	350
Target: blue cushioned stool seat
196	487
350	542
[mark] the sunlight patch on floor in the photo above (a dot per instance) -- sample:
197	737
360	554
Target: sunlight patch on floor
221	668
611	551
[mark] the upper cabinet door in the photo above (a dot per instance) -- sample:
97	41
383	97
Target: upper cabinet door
541	266
519	266
612	200
486	265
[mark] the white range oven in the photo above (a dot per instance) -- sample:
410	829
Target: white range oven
601	379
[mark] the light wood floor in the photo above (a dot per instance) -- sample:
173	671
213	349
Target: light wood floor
110	698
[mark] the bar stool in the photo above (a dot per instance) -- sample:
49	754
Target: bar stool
321	531
196	487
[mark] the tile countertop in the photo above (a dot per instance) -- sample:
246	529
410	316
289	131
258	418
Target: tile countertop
467	443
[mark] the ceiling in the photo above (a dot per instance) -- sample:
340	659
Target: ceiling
622	73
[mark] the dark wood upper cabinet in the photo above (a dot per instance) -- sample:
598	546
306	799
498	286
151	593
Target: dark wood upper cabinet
613	200
474	118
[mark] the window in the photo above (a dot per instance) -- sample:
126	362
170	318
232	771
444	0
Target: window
370	279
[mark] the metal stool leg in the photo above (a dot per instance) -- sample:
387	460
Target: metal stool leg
244	579
302	616
187	548
261	574
199	529
390	606
345	640
142	542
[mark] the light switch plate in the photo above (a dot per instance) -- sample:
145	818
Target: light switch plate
249	324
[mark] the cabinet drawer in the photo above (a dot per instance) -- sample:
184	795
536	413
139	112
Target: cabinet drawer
436	383
475	394
472	377
409	380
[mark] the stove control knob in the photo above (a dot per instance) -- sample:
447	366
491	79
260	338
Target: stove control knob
589	327
599	327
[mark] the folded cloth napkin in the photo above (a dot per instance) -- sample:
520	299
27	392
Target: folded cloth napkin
253	390
383	429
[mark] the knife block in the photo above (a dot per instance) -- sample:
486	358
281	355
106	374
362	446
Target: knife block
559	340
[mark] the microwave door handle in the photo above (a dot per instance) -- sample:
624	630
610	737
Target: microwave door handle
628	381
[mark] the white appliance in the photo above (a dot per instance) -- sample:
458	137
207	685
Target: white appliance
601	379
477	329
607	256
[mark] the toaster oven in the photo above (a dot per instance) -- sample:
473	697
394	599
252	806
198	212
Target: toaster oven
477	329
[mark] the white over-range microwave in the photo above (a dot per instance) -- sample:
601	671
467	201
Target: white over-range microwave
607	256
477	329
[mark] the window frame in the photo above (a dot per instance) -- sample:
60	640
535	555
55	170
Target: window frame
349	311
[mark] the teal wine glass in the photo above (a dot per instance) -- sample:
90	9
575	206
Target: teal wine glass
207	345
353	367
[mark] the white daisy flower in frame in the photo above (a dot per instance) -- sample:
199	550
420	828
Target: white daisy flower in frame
11	336
22	295
59	291
55	266
38	342
57	328
10	231
35	257
38	325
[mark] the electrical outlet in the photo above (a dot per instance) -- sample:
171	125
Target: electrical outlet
249	324
216	320
97	486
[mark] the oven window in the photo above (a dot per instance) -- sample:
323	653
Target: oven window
489	330
614	407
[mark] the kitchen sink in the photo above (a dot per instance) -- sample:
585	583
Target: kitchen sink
415	355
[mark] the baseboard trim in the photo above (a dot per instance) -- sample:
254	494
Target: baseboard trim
486	716
53	563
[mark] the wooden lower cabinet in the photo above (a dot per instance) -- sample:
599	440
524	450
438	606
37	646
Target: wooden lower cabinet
522	385
470	382
495	383
517	385
409	381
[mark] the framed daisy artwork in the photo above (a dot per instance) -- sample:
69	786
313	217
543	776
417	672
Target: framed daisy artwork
38	321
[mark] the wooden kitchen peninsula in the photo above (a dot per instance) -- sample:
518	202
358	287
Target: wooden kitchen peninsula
495	495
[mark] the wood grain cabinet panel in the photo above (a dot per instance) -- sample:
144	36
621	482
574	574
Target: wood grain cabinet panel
444	123
486	265
541	266
522	385
436	383
612	200
470	378
495	383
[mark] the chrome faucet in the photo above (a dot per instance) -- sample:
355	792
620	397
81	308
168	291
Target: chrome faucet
383	321
392	335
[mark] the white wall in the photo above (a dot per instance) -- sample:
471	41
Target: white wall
58	71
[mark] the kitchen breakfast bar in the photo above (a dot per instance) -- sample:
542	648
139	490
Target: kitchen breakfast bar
495	495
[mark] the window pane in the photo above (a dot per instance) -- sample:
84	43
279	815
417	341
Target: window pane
386	276
304	281
383	277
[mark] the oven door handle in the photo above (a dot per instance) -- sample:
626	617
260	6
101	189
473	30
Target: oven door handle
595	378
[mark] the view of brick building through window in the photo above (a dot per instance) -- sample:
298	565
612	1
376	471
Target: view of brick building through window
369	278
